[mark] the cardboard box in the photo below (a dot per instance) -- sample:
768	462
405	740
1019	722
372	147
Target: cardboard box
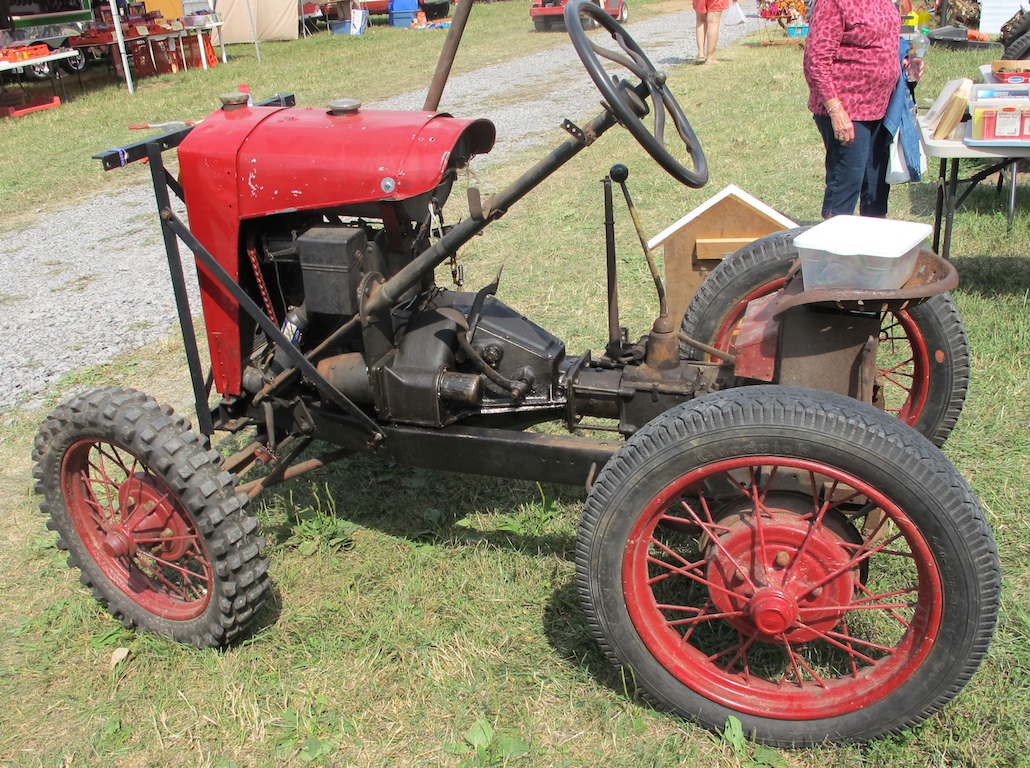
1015	72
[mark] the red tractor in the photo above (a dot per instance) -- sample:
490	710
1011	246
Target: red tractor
760	538
550	14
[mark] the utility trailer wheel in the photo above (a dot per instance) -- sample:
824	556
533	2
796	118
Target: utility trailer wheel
923	359
76	64
790	557
150	519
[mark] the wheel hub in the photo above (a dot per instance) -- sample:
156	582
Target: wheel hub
149	519
117	543
782	577
773	610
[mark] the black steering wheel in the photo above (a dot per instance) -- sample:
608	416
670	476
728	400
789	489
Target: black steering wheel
628	102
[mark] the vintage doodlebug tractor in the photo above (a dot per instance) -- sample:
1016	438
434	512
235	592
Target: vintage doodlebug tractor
764	535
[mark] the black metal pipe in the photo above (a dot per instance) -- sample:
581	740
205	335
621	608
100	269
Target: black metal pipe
447	54
385	295
160	178
614	329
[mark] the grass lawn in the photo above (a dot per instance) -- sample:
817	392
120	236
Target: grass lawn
423	618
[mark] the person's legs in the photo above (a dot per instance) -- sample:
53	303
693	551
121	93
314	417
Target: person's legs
845	166
701	26
714	18
875	189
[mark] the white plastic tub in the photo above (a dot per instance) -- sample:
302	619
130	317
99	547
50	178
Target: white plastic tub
860	252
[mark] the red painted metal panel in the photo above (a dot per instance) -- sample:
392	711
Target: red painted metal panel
258	161
305	159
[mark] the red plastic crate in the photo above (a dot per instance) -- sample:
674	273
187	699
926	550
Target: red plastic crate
167	56
195	49
142	61
24	53
35	104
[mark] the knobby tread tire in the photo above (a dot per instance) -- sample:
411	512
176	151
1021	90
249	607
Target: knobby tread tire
1018	49
166	445
769	258
800	423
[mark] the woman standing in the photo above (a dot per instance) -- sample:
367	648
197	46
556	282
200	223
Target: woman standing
851	66
709	15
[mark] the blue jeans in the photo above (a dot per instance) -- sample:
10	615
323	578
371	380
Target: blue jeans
856	173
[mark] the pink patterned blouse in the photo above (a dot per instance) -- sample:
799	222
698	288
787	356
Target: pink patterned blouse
852	54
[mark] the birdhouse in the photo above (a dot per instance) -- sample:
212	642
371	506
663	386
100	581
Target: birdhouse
695	244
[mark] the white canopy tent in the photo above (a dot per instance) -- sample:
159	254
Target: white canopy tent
244	21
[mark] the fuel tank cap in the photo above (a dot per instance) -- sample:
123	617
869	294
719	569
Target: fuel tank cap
231	101
344	106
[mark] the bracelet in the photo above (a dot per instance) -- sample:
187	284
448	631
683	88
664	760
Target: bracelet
834	108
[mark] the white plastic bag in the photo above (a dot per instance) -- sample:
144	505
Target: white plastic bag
734	14
897	168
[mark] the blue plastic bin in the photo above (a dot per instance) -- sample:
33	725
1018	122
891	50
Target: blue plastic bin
402	18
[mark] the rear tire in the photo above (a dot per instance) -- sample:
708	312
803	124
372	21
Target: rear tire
624	13
150	519
1019	49
792	558
924	354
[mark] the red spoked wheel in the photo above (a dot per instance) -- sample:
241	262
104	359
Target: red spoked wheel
777	554
136	530
923	355
763	604
149	517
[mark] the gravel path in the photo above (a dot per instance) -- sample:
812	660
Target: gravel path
80	288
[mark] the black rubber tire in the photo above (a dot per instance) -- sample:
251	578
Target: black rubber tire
1018	49
937	320
623	13
541	25
934	503
1020	27
76	64
133	448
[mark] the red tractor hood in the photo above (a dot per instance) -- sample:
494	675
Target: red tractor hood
253	162
276	160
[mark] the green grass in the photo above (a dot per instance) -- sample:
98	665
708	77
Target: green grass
424	618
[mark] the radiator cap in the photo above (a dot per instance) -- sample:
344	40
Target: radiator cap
231	101
344	106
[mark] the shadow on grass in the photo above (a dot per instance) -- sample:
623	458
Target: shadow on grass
990	275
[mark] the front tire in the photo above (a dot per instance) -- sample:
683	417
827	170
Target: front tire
149	518
792	558
922	361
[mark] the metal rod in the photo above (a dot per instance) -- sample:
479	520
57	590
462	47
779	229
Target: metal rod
447	54
614	329
707	349
385	295
182	300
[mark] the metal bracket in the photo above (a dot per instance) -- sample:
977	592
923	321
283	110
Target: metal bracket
576	132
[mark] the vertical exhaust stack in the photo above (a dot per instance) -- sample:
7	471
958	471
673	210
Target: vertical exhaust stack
450	50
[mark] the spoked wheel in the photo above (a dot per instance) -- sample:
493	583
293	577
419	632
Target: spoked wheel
38	71
627	102
150	519
790	557
77	63
923	355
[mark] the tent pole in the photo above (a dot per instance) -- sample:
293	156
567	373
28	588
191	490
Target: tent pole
253	30
121	44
